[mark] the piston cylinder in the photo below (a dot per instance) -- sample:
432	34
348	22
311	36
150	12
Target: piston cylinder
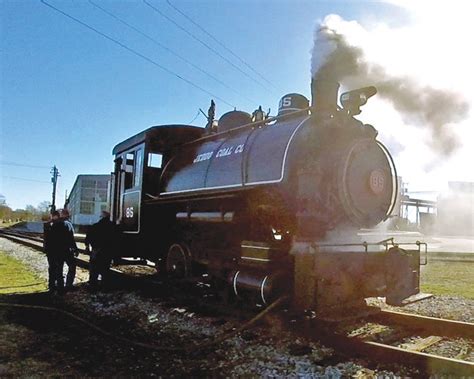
255	285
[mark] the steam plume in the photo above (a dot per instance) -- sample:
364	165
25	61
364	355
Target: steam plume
335	58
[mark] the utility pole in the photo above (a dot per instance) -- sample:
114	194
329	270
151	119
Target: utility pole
54	180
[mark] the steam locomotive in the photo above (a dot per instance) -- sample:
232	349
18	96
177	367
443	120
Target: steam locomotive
250	200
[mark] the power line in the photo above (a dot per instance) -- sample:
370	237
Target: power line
136	53
7	163
26	179
205	44
169	50
219	42
195	117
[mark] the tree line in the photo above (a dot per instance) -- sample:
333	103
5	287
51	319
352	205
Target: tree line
30	213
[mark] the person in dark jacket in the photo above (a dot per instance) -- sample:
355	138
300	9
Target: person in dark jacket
56	246
101	236
71	255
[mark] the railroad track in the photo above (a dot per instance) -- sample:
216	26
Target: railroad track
132	273
35	241
384	336
32	240
397	338
414	334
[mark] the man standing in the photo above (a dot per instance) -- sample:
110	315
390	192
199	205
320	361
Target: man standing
72	251
101	236
56	245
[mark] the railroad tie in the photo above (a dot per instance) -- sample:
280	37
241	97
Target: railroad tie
421	344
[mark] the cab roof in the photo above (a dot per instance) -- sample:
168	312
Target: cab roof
161	137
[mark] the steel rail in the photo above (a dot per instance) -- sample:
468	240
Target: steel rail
36	243
15	237
428	363
34	236
377	352
431	325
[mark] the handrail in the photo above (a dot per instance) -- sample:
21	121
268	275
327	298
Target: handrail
389	242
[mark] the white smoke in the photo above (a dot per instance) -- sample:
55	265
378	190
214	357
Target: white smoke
342	52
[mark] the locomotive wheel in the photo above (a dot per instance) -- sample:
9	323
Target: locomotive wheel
178	261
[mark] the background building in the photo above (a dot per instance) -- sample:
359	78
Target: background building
456	209
89	196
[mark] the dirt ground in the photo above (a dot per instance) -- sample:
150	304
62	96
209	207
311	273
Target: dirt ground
37	342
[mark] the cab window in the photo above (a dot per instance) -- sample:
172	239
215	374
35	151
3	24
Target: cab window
138	168
155	160
133	168
129	163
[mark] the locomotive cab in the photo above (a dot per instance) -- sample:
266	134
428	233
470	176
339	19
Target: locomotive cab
139	161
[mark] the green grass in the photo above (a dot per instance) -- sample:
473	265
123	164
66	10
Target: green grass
15	277
448	278
5	224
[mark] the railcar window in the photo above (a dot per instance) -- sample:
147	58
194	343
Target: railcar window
155	160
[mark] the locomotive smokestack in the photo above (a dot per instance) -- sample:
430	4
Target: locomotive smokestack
324	94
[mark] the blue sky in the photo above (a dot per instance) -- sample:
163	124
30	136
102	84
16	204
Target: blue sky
69	95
